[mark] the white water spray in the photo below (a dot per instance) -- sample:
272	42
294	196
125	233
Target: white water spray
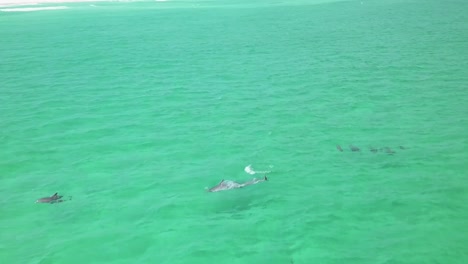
251	171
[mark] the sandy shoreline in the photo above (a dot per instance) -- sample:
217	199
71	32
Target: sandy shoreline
13	3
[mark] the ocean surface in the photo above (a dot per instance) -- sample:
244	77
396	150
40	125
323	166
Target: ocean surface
132	110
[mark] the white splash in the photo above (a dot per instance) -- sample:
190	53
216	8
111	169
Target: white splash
251	171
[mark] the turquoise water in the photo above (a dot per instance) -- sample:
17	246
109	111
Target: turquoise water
133	109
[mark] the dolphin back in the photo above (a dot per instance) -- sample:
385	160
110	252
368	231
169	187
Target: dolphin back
225	185
44	200
55	198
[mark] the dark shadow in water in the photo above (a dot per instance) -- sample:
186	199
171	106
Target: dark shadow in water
386	150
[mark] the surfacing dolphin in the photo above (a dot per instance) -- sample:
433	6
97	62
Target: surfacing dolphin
228	185
56	198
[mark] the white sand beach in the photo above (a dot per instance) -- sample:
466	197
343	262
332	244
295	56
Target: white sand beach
12	3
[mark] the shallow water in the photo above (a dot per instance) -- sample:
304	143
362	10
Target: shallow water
133	109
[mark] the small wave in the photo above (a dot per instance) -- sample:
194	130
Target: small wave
31	9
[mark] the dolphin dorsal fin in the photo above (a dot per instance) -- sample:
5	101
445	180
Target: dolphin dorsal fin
221	181
55	194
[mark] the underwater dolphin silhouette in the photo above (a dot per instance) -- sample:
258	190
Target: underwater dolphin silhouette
354	148
56	198
228	185
338	147
389	151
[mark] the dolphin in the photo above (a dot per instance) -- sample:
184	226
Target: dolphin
389	151
56	198
373	150
354	148
228	185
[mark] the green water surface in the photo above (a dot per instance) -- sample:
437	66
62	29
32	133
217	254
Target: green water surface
133	109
